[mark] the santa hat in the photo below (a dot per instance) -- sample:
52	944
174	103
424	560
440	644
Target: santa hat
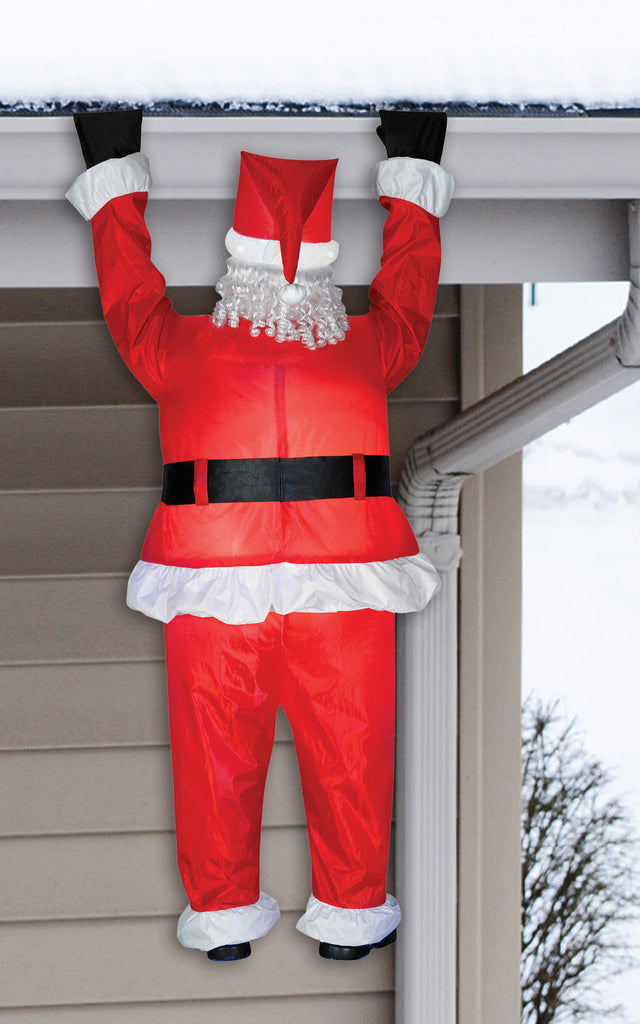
282	213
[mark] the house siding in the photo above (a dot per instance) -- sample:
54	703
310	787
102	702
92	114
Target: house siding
92	890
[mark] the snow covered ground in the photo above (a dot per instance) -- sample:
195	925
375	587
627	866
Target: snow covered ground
336	51
581	548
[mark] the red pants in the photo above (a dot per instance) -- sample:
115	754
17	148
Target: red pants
334	676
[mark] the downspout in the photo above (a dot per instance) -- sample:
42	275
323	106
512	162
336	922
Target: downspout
627	341
507	420
437	466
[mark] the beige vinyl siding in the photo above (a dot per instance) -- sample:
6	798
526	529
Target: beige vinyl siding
374	1008
91	889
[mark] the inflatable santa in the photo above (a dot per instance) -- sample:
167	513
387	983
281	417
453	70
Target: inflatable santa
277	555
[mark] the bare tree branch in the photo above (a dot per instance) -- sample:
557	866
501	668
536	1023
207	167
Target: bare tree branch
579	882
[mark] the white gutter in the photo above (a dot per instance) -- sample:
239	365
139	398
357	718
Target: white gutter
197	157
435	470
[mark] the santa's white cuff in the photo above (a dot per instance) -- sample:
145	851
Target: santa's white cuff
207	929
105	181
345	927
418	181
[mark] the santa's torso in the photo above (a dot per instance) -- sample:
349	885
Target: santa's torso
224	394
227	395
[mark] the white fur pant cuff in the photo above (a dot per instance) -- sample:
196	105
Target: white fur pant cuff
210	928
344	927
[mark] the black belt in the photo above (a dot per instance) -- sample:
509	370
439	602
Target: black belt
202	481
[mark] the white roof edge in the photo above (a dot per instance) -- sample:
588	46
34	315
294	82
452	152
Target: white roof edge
491	158
556	125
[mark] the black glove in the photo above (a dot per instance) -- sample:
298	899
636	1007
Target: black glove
413	133
107	134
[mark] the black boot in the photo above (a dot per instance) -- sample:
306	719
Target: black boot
237	951
330	951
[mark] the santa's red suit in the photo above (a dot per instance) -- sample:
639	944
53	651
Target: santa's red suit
277	554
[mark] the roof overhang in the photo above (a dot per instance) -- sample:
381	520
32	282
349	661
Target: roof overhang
537	198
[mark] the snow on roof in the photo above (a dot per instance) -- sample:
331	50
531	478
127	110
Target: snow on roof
338	54
270	108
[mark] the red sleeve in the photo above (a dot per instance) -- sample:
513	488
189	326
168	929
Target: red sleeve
403	292
131	288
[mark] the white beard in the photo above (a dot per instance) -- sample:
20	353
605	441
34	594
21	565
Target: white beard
259	293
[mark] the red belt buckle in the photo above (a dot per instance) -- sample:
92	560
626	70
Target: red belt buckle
200	489
359	478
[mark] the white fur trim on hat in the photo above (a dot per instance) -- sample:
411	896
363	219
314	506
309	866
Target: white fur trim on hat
105	181
418	181
210	928
266	250
345	927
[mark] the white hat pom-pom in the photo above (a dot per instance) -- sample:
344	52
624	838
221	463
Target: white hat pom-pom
293	294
